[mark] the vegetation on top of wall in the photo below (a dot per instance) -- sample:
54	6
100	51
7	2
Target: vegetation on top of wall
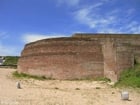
130	77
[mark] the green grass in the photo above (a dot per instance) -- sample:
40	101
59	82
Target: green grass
28	76
130	77
98	88
24	75
91	79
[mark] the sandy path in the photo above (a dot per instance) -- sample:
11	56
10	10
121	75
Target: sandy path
55	92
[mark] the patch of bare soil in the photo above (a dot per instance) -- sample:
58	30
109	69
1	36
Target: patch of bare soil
56	92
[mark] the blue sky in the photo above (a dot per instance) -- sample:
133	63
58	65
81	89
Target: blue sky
24	21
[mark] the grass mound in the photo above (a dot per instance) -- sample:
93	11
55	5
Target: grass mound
24	75
130	77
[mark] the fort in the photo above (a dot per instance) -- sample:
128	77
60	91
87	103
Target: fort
81	56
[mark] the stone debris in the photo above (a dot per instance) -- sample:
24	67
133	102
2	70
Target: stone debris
18	85
124	95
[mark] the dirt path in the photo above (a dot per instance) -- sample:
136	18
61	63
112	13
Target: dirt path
55	92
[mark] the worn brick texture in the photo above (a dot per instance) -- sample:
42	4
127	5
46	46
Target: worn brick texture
81	56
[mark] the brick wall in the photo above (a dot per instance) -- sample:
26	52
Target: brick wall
81	56
63	59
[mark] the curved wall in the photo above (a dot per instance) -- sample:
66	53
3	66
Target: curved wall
81	56
63	58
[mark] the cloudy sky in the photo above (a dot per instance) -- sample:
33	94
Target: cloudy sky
24	21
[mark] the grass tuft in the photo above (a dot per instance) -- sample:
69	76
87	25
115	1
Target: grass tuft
56	88
77	88
98	88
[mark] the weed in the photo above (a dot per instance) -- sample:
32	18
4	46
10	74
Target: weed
56	88
97	88
77	88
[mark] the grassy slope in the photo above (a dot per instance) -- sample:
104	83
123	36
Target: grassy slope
130	77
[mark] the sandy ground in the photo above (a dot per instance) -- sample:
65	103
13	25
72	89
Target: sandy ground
56	92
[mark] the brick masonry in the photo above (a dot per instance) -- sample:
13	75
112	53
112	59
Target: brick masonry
81	56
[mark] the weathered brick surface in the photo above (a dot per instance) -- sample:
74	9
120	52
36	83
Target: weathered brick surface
81	56
63	58
110	63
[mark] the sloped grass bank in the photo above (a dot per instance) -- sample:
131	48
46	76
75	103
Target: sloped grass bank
130	77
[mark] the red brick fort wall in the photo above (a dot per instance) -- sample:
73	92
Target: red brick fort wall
80	56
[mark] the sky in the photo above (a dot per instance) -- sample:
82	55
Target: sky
25	21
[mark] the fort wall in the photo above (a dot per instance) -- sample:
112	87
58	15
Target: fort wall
63	59
81	56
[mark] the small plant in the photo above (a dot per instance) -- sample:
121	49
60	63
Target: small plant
77	88
56	88
24	75
113	92
98	88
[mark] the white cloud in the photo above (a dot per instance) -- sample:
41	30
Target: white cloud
92	19
133	27
83	16
27	38
69	2
97	5
111	21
